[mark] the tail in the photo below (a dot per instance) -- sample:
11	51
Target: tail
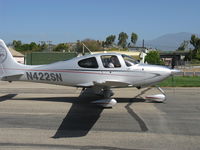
8	65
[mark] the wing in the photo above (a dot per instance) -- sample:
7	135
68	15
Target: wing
107	83
112	84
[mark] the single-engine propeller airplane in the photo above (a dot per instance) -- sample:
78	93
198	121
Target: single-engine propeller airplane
100	72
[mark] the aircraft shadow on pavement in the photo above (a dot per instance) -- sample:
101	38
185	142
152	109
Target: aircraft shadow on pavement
7	97
82	115
79	121
130	110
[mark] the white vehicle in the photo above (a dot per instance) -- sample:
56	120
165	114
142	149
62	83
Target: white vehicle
100	72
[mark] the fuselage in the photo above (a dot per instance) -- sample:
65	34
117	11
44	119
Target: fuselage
84	71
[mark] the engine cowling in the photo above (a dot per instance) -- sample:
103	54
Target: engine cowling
156	98
106	103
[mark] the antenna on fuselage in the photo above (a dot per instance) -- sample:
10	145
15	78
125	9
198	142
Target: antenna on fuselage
84	46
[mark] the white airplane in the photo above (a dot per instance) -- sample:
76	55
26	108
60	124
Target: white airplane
99	72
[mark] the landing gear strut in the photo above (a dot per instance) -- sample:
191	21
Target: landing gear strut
107	93
107	102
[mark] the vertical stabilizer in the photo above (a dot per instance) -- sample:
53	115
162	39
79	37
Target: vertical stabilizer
8	65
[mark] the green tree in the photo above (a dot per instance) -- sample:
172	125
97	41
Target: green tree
43	46
183	46
195	41
110	40
122	39
153	57
79	47
34	47
93	45
61	47
17	44
25	47
134	38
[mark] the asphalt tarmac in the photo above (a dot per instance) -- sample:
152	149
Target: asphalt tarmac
42	116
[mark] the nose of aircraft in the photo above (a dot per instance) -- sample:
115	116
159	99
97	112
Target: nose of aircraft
163	71
168	71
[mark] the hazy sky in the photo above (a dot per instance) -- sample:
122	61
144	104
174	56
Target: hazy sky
71	20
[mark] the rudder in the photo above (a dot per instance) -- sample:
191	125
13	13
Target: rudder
7	61
6	58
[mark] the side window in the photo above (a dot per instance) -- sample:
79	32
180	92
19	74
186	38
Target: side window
110	61
88	63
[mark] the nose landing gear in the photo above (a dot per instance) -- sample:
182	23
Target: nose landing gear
153	98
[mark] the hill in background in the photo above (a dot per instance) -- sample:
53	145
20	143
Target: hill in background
169	42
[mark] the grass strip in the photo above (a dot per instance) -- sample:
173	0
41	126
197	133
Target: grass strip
181	81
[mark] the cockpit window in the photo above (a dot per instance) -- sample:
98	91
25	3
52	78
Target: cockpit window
129	61
88	63
110	61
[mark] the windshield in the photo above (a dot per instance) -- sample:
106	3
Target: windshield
129	61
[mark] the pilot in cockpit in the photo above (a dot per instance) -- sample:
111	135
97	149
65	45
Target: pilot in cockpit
113	62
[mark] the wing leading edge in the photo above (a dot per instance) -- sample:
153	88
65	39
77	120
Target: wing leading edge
112	84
